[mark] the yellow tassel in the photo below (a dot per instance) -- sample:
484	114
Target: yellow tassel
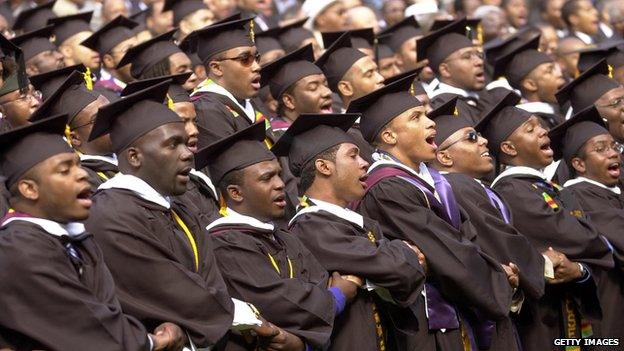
88	80
411	90
456	112
252	35
303	201
68	135
222	206
610	75
169	102
480	33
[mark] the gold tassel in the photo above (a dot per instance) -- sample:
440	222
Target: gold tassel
169	102
303	201
480	33
252	35
222	206
456	112
88	80
411	90
68	135
610	75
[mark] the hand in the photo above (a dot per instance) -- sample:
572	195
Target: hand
349	289
285	341
555	256
354	279
421	256
265	333
168	336
513	274
567	271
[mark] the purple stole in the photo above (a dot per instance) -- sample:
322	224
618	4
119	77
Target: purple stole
109	84
498	203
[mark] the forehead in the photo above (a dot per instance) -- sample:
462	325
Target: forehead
613	93
239	50
464	50
313	78
600	139
268	166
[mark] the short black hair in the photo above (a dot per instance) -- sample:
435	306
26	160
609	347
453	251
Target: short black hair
308	171
280	104
234	177
569	8
159	69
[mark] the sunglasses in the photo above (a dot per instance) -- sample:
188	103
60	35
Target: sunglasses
472	136
246	59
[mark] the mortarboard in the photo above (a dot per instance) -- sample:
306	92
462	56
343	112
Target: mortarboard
498	47
401	32
382	49
440	44
35	42
500	121
135	115
568	137
292	35
67	26
360	38
448	119
183	8
17	78
474	31
145	55
338	59
267	41
610	50
24	147
416	88
111	34
71	97
48	82
516	64
34	18
176	91
140	18
585	89
234	152
287	70
311	134
223	36
383	105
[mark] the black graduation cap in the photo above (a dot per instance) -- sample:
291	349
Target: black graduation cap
189	46
34	18
382	49
588	87
338	59
183	8
440	44
401	32
516	64
473	27
291	35
287	70
611	50
48	82
35	42
71	97
234	152
17	79
501	121
417	87
449	119
139	17
147	54
498	47
111	34
24	147
220	37
66	26
567	138
267	41
133	116
311	134
176	91
360	38
383	105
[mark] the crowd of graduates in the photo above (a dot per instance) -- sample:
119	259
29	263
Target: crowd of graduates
311	175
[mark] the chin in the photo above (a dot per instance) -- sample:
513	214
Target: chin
278	213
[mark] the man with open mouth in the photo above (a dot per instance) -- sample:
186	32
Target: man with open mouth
548	219
46	246
415	203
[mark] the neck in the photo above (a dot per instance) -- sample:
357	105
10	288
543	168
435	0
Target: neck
346	100
531	97
325	192
413	164
290	115
450	82
226	86
245	211
32	210
118	76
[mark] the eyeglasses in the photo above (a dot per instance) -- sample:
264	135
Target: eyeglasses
472	136
619	102
467	56
25	96
603	148
246	59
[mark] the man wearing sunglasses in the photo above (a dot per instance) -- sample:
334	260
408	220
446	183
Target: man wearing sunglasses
223	101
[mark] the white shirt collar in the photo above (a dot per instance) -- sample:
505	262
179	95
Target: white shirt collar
234	217
606	30
445	88
537	107
209	86
422	173
206	180
336	210
502	82
431	86
54	228
514	170
584	37
577	180
110	159
106	75
138	186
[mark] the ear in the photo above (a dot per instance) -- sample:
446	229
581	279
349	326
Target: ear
574	19
388	137
288	101
345	88
235	193
398	60
579	165
29	189
443	70
529	85
324	167
31	70
74	139
444	158
214	68
109	62
508	148
66	51
134	157
184	26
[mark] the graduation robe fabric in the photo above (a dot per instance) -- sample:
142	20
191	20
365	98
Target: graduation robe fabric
344	246
548	218
199	199
605	209
464	275
98	171
47	305
301	305
4	199
153	265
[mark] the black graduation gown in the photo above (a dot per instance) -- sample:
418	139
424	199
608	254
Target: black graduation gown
147	251
98	171
366	149
558	223
47	304
343	246
301	305
200	199
464	275
4	199
605	209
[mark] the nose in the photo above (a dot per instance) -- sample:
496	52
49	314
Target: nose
192	130
186	155
378	78
363	163
255	66
430	122
81	174
326	92
483	141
